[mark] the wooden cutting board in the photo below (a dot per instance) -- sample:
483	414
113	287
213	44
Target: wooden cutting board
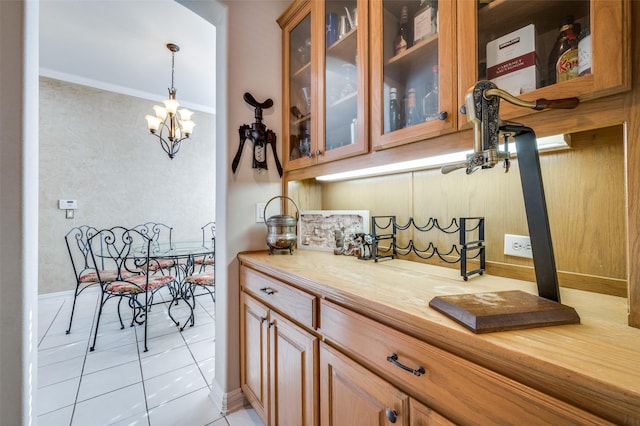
503	310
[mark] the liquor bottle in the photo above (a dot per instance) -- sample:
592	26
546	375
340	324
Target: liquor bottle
394	110
431	101
563	60
404	39
411	112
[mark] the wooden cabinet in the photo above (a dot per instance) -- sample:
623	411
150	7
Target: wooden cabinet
456	388
325	90
278	357
609	23
351	395
378	352
457	47
422	76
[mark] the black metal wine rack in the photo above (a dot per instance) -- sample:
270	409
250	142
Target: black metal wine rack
386	228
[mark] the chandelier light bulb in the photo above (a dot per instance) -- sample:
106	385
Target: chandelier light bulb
153	123
171	105
161	112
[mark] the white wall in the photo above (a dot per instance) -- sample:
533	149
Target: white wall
95	148
249	45
19	211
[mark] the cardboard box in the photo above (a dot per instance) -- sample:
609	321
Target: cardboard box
512	61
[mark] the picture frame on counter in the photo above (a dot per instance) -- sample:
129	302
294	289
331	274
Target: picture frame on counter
317	228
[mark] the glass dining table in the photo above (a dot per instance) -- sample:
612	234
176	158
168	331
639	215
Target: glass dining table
186	257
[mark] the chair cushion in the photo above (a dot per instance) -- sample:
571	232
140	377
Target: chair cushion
138	283
157	264
106	275
204	260
208	278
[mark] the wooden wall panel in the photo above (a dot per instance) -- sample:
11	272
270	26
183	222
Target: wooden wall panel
585	195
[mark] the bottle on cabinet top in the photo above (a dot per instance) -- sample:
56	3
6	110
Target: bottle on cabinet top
411	113
563	60
394	110
405	38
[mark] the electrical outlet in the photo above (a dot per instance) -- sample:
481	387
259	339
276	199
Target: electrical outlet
517	245
260	212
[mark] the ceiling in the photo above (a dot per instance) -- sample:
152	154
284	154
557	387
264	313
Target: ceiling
120	46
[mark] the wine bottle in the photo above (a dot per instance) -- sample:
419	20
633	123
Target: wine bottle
394	110
405	38
411	113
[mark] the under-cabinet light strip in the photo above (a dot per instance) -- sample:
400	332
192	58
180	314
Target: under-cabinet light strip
546	143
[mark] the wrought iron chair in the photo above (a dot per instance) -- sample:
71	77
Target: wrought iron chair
83	269
128	253
208	237
205	277
161	237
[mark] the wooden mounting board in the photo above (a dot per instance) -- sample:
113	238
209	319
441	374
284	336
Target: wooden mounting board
503	310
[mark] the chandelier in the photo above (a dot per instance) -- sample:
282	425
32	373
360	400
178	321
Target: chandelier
166	125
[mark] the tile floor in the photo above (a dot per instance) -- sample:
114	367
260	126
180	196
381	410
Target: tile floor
118	383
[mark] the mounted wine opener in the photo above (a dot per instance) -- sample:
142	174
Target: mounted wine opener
482	109
259	135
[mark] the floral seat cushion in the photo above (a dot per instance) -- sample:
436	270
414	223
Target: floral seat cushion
106	275
138	284
207	278
207	260
157	264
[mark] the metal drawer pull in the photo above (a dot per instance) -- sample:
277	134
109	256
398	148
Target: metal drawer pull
267	290
392	415
393	359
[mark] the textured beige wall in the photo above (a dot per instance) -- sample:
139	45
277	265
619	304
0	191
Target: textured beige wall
94	148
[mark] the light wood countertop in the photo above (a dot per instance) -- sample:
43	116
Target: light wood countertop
594	364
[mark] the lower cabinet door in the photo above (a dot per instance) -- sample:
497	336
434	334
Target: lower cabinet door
350	395
293	374
254	351
421	415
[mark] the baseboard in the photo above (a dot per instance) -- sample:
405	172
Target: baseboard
226	402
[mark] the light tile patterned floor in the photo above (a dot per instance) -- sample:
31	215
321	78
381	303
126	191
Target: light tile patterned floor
118	383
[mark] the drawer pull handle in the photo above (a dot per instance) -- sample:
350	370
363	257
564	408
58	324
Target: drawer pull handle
268	290
393	359
392	415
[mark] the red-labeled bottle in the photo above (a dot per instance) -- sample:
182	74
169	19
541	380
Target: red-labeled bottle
563	60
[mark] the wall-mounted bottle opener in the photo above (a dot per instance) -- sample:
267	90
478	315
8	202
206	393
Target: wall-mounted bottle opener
259	135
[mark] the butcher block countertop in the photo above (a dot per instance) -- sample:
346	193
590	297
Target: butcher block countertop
594	364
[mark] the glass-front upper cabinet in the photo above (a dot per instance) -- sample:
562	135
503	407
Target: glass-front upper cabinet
343	56
544	48
412	70
299	142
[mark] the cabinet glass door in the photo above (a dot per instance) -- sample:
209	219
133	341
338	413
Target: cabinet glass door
300	92
544	48
344	65
413	70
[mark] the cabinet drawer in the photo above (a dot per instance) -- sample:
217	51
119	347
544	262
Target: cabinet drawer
296	304
459	389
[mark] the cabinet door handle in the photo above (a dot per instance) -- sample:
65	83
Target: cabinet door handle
318	153
443	115
392	415
268	290
393	359
262	320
